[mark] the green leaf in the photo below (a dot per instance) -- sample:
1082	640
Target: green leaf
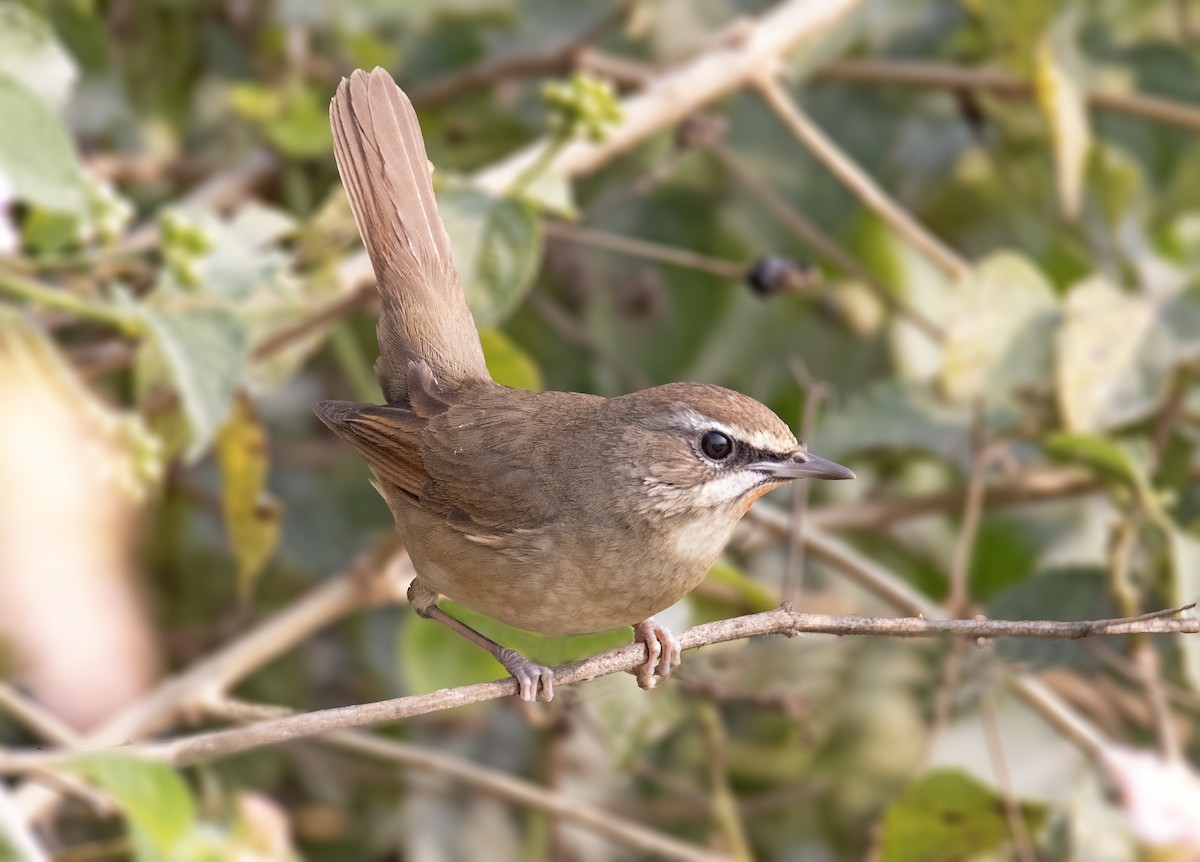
37	157
205	351
31	54
947	817
1112	362
1069	593
1185	589
999	336
152	796
508	364
1061	94
295	120
892	416
1108	458
251	514
497	246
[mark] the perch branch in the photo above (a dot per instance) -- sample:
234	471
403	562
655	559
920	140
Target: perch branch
207	747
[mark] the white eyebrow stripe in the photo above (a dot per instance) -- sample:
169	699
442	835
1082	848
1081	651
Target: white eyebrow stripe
758	439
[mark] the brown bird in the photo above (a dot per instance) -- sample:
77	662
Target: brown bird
555	512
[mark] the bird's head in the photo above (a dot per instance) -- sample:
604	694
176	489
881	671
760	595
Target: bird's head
700	450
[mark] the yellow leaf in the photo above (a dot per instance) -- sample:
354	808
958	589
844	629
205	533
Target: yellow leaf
251	514
1060	94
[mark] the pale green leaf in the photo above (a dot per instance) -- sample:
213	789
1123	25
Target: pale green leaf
31	54
999	336
1061	94
37	158
896	417
251	515
911	276
1112	357
1185	589
508	364
154	798
551	192
205	351
497	245
948	816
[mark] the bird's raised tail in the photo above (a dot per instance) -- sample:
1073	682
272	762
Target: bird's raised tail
382	162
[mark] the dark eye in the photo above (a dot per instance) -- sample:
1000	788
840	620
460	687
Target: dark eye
716	445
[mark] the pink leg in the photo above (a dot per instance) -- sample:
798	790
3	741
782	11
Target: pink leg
663	651
533	679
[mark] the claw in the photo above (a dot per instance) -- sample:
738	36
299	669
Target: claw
533	678
663	651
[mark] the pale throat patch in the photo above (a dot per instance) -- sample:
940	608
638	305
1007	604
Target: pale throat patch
756	438
702	539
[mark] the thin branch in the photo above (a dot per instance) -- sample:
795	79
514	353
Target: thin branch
15	835
857	180
58	299
815	391
964	548
817	240
881	582
207	747
504	786
877	515
734	58
946	76
375	578
492	781
556	61
1022	842
45	724
640	248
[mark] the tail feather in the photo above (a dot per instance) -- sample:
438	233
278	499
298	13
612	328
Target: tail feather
381	158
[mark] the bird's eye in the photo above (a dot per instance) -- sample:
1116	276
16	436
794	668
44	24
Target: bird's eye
716	445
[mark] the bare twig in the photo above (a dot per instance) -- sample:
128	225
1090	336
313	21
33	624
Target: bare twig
640	248
374	578
857	180
1145	658
555	61
945	76
206	747
735	57
815	392
726	816
877	515
817	240
958	596
1022	842
45	724
882	583
15	835
596	820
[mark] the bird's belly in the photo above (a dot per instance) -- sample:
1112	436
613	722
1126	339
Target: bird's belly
560	590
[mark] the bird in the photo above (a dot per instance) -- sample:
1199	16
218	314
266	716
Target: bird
554	512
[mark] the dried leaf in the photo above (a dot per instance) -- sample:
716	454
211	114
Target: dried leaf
251	515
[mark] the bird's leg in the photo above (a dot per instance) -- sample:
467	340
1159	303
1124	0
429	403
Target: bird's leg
532	677
663	651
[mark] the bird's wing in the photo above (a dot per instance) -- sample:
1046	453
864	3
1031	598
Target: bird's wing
458	454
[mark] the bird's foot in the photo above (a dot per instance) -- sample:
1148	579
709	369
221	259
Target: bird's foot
533	678
662	647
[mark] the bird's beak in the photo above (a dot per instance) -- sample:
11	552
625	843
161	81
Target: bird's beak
804	465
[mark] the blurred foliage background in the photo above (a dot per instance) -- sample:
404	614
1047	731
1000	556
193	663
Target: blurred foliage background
181	280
